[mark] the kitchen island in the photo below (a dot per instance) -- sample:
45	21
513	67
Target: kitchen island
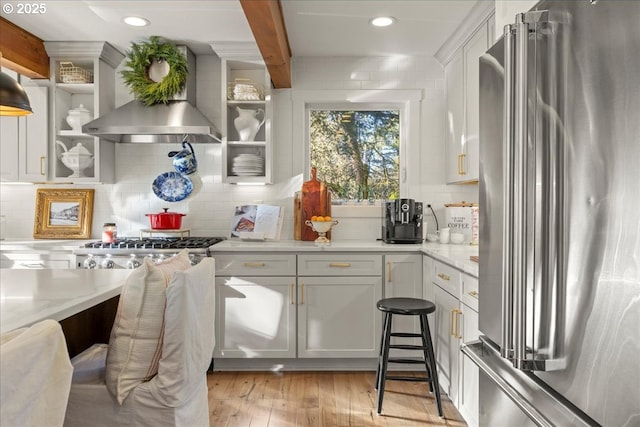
83	301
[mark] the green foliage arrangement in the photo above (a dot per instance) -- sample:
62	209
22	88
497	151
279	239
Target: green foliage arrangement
136	77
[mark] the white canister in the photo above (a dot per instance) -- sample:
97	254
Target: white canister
78	117
443	235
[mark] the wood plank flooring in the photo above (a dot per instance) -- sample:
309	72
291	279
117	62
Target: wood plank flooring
321	399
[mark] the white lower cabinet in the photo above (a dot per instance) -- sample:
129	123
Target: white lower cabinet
456	297
447	343
337	316
403	278
255	317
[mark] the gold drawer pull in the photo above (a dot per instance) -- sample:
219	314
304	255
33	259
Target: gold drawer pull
340	264
473	294
291	291
42	172
444	276
254	264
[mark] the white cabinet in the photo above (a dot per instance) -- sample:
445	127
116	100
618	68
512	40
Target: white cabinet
24	140
462	114
337	316
447	342
456	297
468	398
255	317
255	306
403	278
246	158
83	74
337	296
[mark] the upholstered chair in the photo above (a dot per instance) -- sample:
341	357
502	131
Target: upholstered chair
148	380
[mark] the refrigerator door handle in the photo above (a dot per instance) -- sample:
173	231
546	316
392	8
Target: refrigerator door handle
507	189
520	194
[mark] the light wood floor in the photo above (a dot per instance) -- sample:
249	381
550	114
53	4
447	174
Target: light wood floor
322	399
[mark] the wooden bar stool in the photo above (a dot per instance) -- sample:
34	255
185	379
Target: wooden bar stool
407	307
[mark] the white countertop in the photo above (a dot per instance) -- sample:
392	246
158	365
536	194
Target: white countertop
41	246
29	296
455	255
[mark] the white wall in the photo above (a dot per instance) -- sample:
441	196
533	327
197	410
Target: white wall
506	11
209	209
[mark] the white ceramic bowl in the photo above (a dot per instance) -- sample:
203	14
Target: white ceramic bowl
457	238
432	237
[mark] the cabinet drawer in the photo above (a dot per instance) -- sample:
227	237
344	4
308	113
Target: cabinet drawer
30	261
339	265
255	265
469	294
447	277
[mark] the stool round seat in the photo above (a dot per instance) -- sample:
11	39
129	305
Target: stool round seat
407	306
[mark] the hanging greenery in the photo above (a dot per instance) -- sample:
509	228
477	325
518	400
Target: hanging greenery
139	59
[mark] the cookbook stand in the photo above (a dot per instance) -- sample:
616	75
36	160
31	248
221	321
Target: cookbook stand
181	232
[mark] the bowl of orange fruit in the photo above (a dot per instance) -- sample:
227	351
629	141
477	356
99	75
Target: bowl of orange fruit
321	224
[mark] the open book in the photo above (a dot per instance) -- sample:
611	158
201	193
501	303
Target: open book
257	222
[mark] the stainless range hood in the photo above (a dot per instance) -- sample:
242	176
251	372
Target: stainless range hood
176	121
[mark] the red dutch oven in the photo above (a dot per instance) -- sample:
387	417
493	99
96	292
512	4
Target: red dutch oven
166	220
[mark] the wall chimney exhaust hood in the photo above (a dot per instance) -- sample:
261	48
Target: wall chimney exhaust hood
176	121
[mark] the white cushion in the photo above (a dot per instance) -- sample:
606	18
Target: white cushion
136	337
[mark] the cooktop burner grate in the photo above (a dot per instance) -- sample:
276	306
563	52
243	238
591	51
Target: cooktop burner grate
157	243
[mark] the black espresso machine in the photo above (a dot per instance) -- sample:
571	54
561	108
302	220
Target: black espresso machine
402	221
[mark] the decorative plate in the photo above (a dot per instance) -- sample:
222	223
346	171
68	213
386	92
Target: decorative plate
172	186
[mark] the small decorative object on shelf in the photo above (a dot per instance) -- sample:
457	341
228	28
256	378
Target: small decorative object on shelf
244	90
247	123
156	71
69	73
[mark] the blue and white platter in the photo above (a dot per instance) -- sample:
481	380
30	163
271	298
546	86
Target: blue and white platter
172	186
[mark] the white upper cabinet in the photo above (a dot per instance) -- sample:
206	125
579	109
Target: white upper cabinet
83	75
462	114
24	140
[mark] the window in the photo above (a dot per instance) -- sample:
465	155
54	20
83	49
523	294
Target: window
403	104
357	152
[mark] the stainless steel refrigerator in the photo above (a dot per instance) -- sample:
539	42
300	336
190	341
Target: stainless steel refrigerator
559	312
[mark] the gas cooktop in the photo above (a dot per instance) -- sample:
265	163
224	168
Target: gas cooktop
157	243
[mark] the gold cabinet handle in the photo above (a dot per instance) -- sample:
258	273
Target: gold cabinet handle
454	325
444	276
254	264
461	160
291	291
301	293
389	271
474	294
42	171
340	264
459	164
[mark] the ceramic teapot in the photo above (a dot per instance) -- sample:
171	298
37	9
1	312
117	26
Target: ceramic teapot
247	123
77	158
78	117
184	161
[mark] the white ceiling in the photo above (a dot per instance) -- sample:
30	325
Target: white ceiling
315	27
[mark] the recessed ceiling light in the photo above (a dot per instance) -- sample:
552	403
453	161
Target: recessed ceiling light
382	21
136	21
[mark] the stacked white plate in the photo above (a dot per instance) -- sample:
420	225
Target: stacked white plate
248	165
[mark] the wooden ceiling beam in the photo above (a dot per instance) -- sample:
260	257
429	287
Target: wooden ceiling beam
23	52
267	24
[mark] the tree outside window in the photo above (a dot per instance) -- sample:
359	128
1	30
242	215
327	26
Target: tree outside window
357	153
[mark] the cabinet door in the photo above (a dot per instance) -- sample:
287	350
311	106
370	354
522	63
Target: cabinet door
9	148
337	316
24	141
470	163
468	399
255	317
454	80
446	342
403	278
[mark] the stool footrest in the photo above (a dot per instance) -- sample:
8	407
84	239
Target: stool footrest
409	361
407	347
405	335
414	379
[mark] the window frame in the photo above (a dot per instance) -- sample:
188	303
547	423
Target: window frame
405	101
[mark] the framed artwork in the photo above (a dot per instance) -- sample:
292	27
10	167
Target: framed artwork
63	213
